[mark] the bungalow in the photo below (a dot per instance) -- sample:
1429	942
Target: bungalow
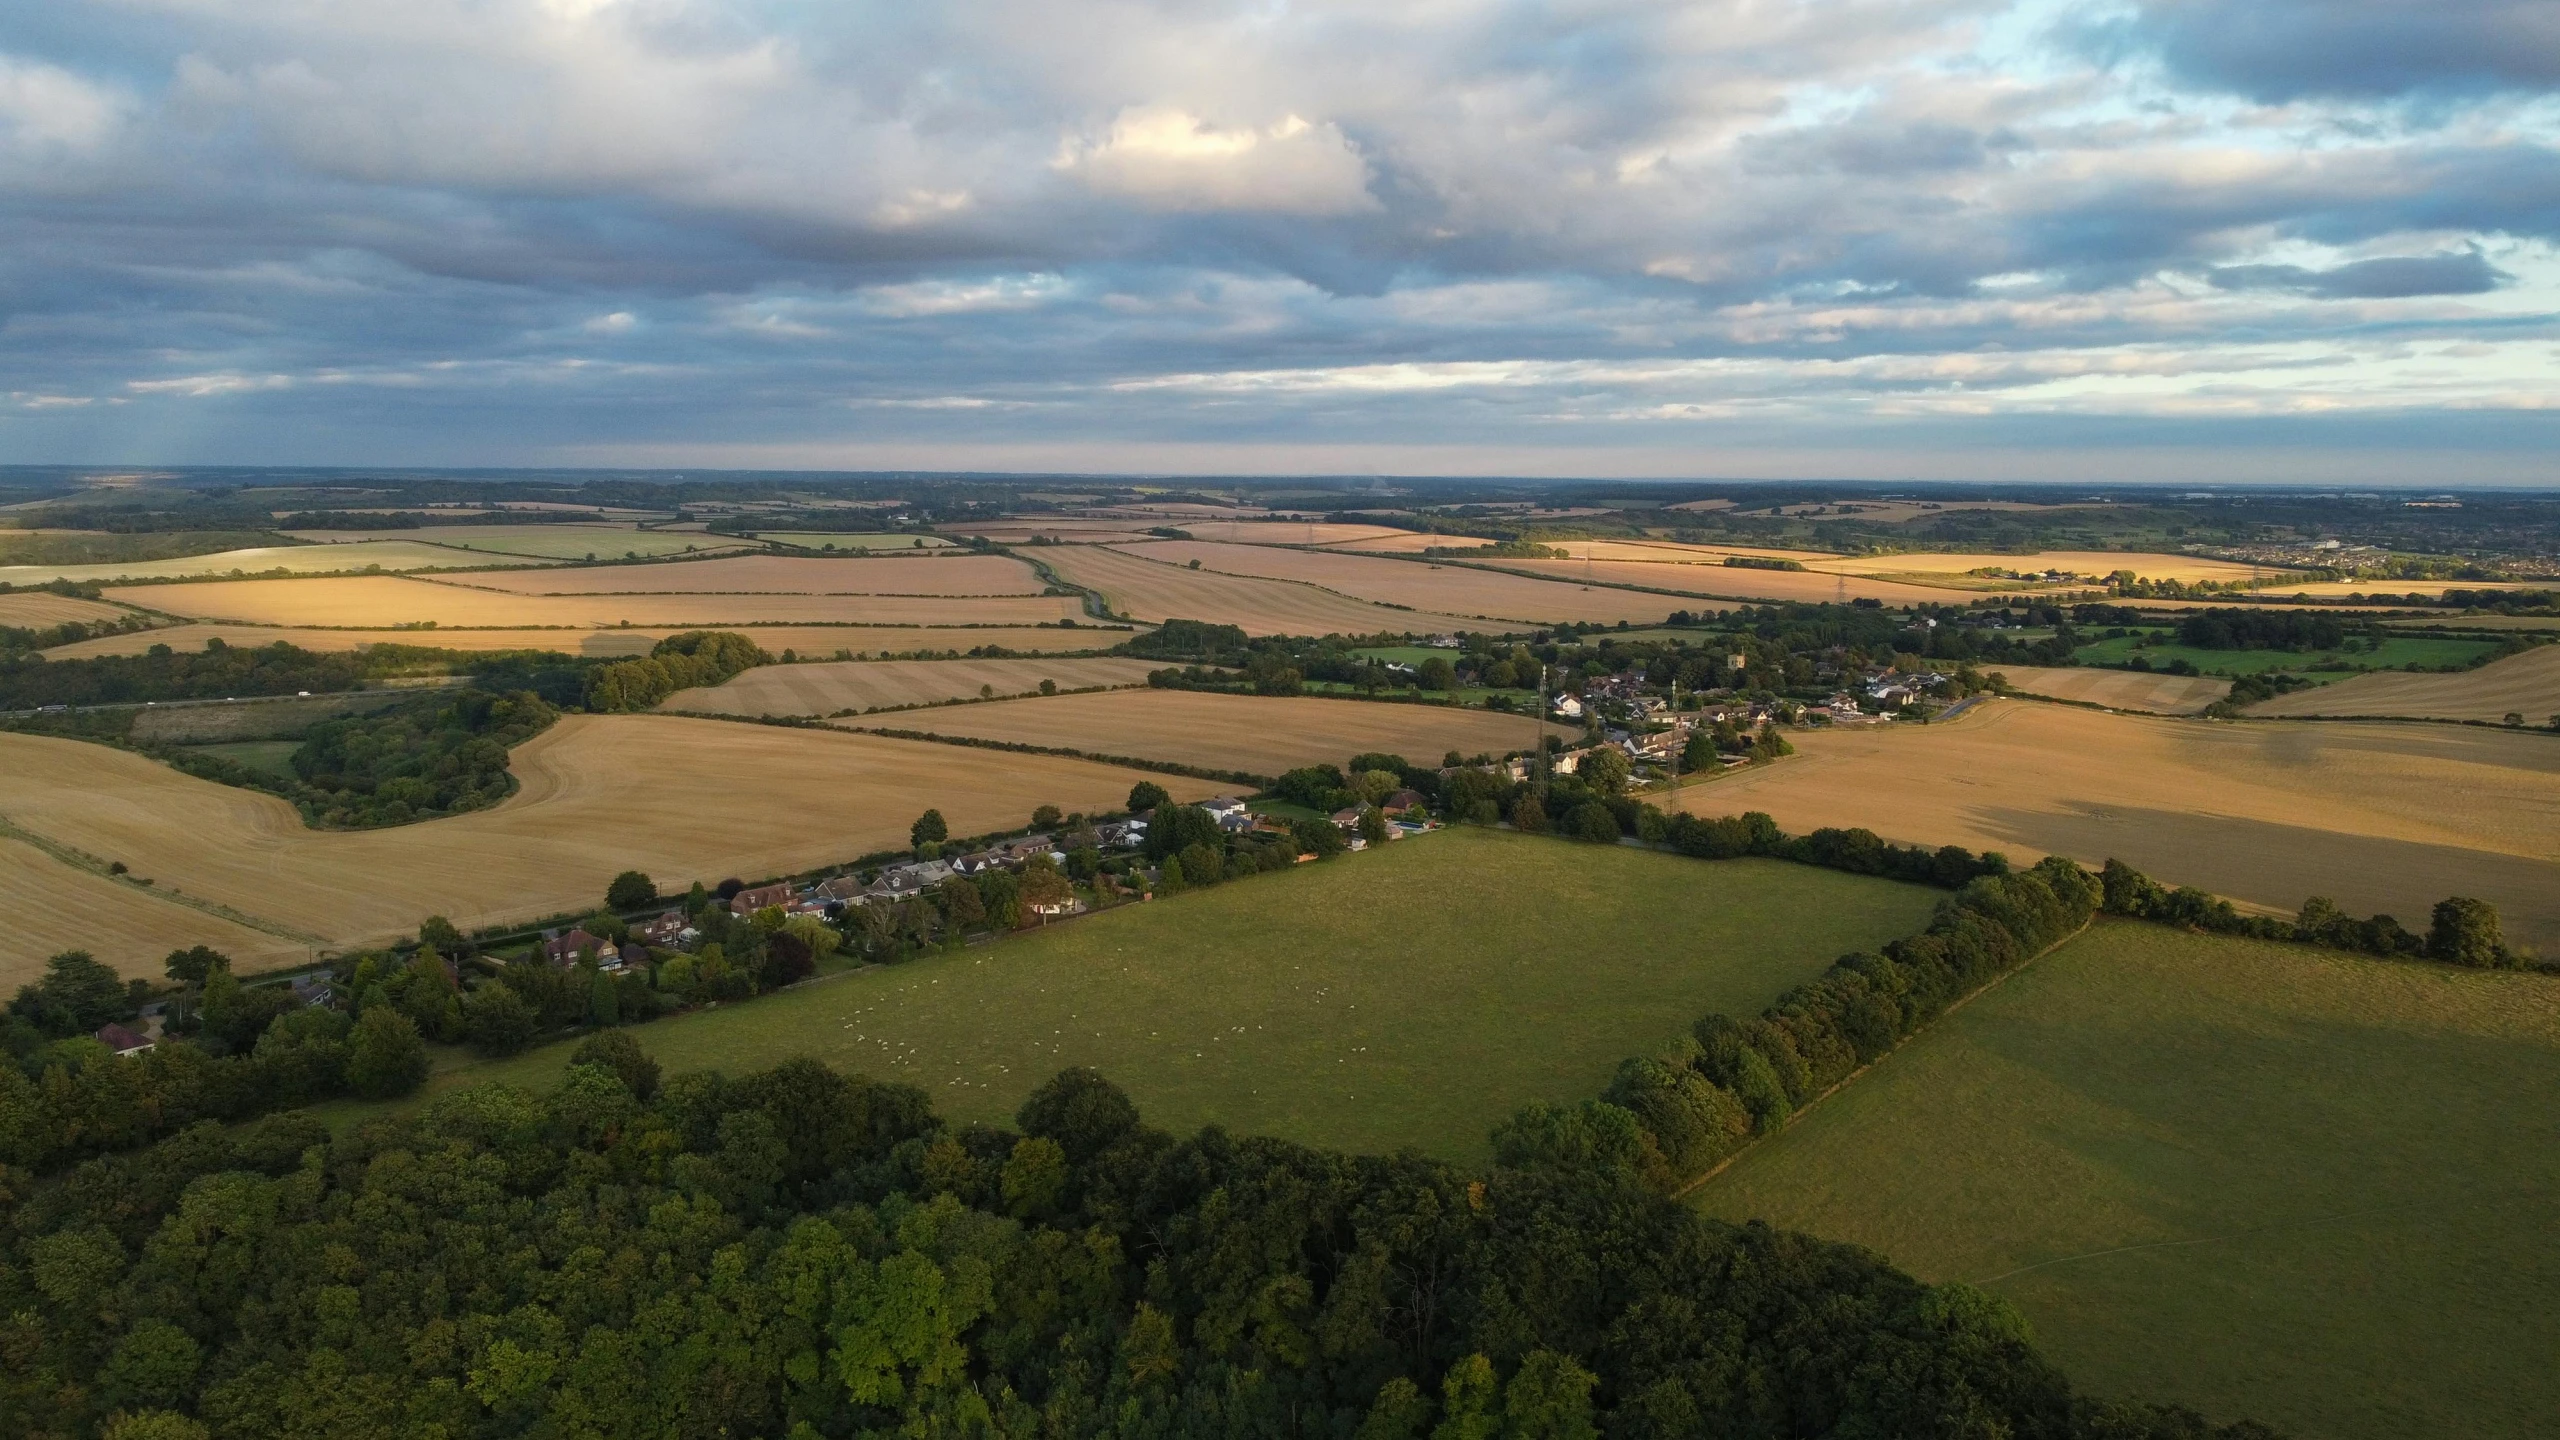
123	1041
901	882
567	950
1347	817
1016	852
1401	801
312	989
748	902
1122	834
1229	812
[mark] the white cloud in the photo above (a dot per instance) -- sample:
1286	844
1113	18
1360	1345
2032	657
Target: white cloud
49	115
224	382
1167	158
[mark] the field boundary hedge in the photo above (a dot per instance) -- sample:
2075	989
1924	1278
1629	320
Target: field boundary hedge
1017	747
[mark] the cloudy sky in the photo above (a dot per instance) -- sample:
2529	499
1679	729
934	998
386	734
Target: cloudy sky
2165	239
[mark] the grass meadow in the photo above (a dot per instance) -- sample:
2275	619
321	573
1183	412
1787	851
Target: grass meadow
2256	1179
1409	996
2393	654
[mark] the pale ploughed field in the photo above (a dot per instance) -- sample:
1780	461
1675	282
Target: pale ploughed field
2526	684
826	687
297	559
34	608
927	573
1418	585
1287	532
676	797
55	906
1152	591
2382	817
377	601
2116	689
861	640
1260	735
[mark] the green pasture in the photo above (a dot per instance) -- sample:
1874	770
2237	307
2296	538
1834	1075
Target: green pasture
1406	654
577	542
271	757
1406	996
2396	653
2255	1179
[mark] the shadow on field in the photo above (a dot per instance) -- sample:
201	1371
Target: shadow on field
2282	865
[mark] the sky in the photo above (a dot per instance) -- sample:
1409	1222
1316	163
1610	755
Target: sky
2171	240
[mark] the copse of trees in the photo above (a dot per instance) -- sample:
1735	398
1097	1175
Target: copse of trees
679	662
2261	630
818	1255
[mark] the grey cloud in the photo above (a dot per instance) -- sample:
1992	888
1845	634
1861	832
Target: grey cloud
2388	277
2278	50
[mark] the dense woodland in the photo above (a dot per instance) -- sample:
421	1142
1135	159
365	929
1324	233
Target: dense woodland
798	1253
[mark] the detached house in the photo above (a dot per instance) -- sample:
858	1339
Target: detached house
748	902
567	950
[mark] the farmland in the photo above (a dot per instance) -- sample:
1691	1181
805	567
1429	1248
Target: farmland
56	906
29	609
1151	591
1260	735
297	559
2256	1179
2117	689
677	797
2526	684
805	639
2145	565
1289	532
2392	654
944	574
829	686
855	540
1418	585
2377	817
1413	995
1732	582
375	601
551	542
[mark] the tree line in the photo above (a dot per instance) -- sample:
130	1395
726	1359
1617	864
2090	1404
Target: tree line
679	662
800	1253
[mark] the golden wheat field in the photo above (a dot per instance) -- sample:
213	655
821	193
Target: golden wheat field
2117	689
2526	685
56	906
1260	735
1405	542
1734	582
1673	552
2388	592
296	559
1152	591
1419	585
677	797
805	639
32	608
2378	817
825	687
922	572
379	601
489	544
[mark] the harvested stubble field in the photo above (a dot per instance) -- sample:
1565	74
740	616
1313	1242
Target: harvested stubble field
33	608
1285	532
1418	585
677	797
378	601
805	639
865	540
56	906
1153	591
1672	552
1260	735
2260	1180
829	686
2478	622
1733	582
2526	684
1406	996
2394	589
2378	817
554	542
925	573
297	559
2116	689
2149	565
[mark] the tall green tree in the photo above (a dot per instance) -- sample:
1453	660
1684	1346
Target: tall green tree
385	1057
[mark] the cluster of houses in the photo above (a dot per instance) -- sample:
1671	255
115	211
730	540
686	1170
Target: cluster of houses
674	930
